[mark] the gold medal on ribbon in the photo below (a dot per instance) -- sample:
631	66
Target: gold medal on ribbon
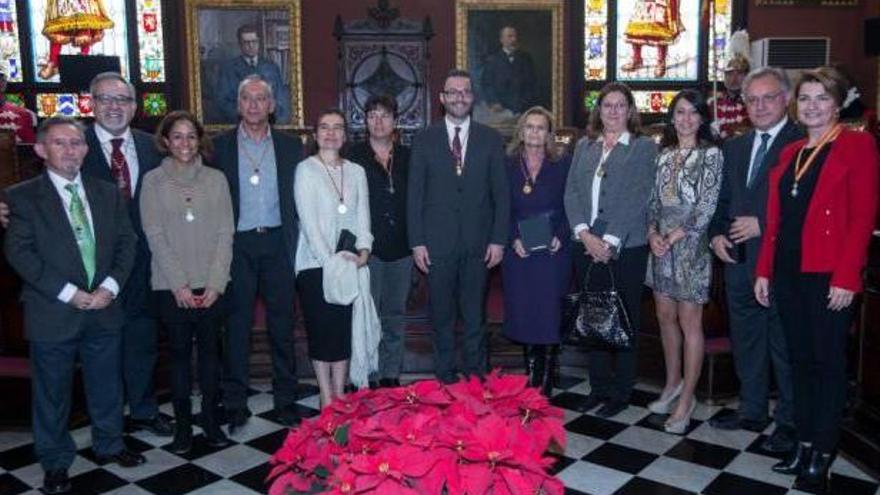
527	188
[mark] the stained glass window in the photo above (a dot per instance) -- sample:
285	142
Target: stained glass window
10	52
653	101
658	40
719	33
154	105
86	27
151	50
596	40
63	104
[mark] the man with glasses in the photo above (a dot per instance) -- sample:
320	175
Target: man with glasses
736	228
250	62
457	217
122	155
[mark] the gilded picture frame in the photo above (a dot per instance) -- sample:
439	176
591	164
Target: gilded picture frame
801	3
230	39
532	73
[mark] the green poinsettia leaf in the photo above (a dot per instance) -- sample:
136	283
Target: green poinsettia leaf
340	436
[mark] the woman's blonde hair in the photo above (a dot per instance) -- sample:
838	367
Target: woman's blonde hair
515	147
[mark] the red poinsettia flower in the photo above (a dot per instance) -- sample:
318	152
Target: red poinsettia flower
391	470
430	392
290	480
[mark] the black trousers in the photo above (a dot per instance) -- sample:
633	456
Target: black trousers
183	326
457	284
816	339
613	373
260	266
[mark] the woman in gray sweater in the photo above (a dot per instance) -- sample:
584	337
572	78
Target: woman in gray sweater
186	212
606	200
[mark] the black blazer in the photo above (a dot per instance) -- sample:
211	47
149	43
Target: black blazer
288	153
41	247
450	214
135	296
735	199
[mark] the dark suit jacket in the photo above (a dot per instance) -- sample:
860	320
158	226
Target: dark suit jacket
135	295
231	75
288	152
841	214
510	84
735	199
41	247
451	214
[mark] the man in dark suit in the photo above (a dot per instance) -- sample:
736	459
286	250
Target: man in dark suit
508	79
457	217
259	163
755	332
248	63
121	155
70	239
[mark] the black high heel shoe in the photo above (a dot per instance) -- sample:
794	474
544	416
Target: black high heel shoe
816	474
795	461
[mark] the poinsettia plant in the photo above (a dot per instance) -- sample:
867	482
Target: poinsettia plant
474	437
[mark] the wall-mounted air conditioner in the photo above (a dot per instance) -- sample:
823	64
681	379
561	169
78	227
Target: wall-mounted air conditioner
791	53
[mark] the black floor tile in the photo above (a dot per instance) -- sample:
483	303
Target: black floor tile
570	401
641	486
702	453
732	484
131	443
755	448
641	398
620	458
200	448
844	485
254	478
561	463
268	443
96	481
568	381
181	479
18	457
572	491
303	411
595	427
10	485
304	390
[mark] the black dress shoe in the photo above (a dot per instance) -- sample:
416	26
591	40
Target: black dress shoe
815	477
782	440
56	481
389	382
124	458
158	425
611	408
732	421
237	419
794	462
287	415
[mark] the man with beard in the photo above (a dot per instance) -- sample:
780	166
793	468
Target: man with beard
457	218
508	79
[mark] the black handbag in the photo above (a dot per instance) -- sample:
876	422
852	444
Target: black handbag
596	319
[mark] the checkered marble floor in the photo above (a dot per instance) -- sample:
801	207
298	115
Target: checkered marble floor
627	454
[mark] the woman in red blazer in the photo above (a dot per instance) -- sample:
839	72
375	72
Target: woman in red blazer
820	215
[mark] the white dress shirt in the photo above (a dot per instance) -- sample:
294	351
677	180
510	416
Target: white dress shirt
128	150
463	134
597	188
756	143
69	289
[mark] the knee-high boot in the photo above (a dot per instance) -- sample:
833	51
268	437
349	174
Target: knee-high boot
182	442
214	436
548	379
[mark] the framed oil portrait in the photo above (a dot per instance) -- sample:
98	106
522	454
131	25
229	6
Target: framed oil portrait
230	40
84	27
513	50
824	3
658	40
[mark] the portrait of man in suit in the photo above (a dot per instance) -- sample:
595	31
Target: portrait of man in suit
509	75
251	60
70	239
458	210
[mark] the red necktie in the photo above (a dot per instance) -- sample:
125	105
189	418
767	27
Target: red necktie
119	167
456	150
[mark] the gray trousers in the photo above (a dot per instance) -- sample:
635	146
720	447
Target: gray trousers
389	284
758	342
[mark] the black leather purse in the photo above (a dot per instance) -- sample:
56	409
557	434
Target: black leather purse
596	319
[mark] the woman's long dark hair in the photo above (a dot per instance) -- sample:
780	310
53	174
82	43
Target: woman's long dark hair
705	136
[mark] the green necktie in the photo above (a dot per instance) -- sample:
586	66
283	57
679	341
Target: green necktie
82	231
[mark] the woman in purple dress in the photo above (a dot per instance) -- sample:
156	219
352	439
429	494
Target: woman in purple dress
535	280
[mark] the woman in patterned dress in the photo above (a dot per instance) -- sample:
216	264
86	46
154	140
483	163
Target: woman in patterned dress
680	266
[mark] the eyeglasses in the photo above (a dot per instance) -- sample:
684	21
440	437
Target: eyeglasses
379	115
614	106
763	99
461	95
109	99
